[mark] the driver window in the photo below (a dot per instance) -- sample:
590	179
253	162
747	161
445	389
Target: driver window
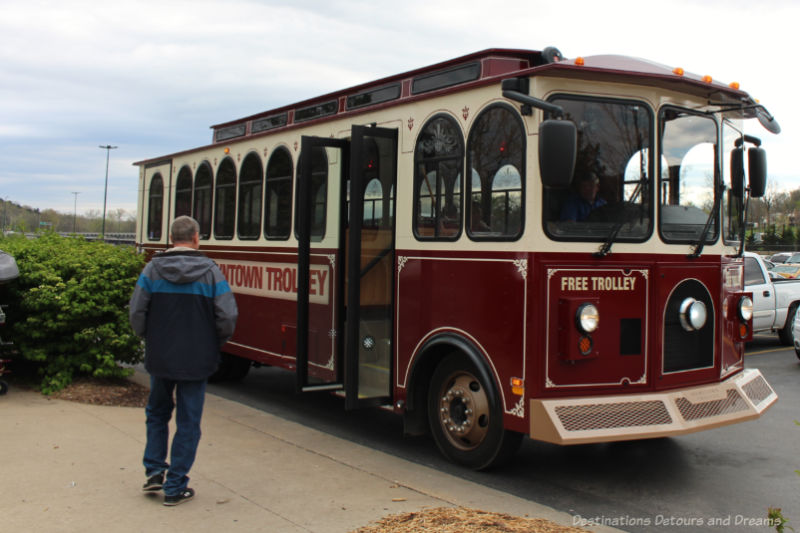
610	190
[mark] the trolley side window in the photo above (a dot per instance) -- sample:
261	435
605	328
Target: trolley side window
155	208
438	171
251	179
183	192
225	201
610	194
319	193
278	203
495	157
203	196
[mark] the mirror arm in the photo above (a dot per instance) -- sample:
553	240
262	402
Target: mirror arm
527	100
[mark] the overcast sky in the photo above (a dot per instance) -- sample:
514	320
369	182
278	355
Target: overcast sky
151	77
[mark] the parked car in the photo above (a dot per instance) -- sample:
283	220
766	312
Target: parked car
781	257
793	259
775	299
786	270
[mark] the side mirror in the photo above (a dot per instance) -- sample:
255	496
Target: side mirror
558	146
757	171
737	172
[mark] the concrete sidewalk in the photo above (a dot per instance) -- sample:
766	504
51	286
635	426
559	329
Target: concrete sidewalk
69	467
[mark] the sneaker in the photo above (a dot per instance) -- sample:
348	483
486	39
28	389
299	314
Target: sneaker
154	483
183	496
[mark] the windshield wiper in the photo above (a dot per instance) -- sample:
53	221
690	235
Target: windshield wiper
612	237
698	247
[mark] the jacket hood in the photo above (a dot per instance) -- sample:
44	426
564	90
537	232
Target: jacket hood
181	266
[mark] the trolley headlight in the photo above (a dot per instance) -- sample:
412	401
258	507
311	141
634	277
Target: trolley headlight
746	308
693	314
587	318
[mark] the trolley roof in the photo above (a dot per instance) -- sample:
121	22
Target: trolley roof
485	67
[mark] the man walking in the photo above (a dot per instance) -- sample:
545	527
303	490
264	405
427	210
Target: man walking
184	309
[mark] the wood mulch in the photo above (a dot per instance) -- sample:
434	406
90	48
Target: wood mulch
463	520
118	392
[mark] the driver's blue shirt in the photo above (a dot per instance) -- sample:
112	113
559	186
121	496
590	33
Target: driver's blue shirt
576	208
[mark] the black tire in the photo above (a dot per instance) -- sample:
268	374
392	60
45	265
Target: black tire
239	368
231	368
223	369
466	418
785	333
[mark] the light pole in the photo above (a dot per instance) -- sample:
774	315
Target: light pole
108	149
75	213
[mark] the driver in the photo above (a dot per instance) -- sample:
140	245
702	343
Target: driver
583	200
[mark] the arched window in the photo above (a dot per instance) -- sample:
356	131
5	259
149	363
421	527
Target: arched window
155	208
278	203
251	179
496	156
438	170
319	192
203	196
183	192
225	200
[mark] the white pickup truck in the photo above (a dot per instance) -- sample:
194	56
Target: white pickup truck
775	299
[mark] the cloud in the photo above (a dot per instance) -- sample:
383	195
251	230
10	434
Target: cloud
152	76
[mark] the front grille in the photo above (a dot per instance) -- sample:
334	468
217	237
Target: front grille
732	403
687	350
757	390
614	415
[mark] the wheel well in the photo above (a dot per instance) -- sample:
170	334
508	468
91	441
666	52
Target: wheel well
431	354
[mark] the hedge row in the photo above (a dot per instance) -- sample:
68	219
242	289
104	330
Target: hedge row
68	310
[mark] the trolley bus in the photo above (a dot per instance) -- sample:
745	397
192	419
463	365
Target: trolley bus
508	243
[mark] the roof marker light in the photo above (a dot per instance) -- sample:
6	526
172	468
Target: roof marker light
707	78
734	85
580	61
678	71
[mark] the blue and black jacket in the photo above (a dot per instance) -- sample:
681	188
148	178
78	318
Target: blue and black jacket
184	309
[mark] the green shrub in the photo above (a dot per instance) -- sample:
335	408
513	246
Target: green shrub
68	310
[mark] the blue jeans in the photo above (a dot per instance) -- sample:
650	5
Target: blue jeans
190	396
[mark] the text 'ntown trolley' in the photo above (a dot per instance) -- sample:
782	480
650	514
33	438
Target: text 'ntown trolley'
508	243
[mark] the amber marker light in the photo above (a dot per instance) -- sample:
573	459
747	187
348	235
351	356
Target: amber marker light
678	71
518	386
580	61
707	78
734	85
227	150
585	345
743	331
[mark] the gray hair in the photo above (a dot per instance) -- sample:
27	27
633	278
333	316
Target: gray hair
184	229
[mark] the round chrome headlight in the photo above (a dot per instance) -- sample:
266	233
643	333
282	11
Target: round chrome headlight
693	314
746	308
587	318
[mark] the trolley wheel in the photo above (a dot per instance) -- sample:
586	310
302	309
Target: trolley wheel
466	417
3	387
231	368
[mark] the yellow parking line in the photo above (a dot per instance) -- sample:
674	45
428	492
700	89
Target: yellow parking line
769	350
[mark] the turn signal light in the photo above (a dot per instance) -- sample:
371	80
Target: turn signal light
518	386
585	345
743	331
